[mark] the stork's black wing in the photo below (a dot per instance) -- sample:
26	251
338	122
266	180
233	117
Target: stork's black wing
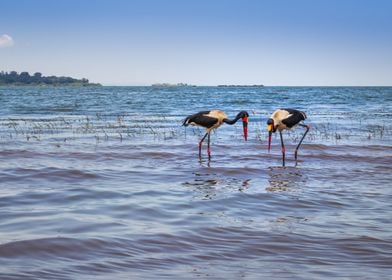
294	118
200	119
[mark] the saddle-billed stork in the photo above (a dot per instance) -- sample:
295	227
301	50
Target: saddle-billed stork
283	119
213	119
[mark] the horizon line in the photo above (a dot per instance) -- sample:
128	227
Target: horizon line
234	85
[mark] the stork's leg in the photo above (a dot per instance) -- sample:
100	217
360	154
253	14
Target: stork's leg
300	142
208	149
283	149
200	142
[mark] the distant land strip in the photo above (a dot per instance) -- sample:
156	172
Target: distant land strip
24	78
240	85
188	85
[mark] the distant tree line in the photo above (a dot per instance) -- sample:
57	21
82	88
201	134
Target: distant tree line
24	78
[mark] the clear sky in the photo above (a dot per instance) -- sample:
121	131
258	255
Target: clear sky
202	42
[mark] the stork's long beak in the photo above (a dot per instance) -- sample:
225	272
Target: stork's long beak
245	127
270	129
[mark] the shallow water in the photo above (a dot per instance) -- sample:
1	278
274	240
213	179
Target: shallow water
100	183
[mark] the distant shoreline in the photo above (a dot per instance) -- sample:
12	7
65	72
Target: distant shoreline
240	86
37	79
189	85
53	85
192	86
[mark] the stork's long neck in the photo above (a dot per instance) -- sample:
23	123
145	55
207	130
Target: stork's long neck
233	121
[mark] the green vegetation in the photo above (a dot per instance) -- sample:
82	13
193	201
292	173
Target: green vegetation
24	78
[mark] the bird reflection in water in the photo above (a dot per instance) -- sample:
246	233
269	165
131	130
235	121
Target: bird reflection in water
211	186
285	179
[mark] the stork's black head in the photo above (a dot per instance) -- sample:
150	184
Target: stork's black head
271	125
271	128
244	115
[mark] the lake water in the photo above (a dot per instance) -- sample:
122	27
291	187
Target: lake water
105	183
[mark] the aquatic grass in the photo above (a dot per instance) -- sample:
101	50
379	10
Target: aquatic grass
99	127
123	127
330	130
375	131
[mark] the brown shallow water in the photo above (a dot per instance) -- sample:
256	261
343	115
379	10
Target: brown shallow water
80	201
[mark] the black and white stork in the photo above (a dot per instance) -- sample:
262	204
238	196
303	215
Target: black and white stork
213	119
286	119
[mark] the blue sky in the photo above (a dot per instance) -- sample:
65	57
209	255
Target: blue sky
202	42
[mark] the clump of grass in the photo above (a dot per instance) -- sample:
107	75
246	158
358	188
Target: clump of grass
123	127
375	131
100	127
